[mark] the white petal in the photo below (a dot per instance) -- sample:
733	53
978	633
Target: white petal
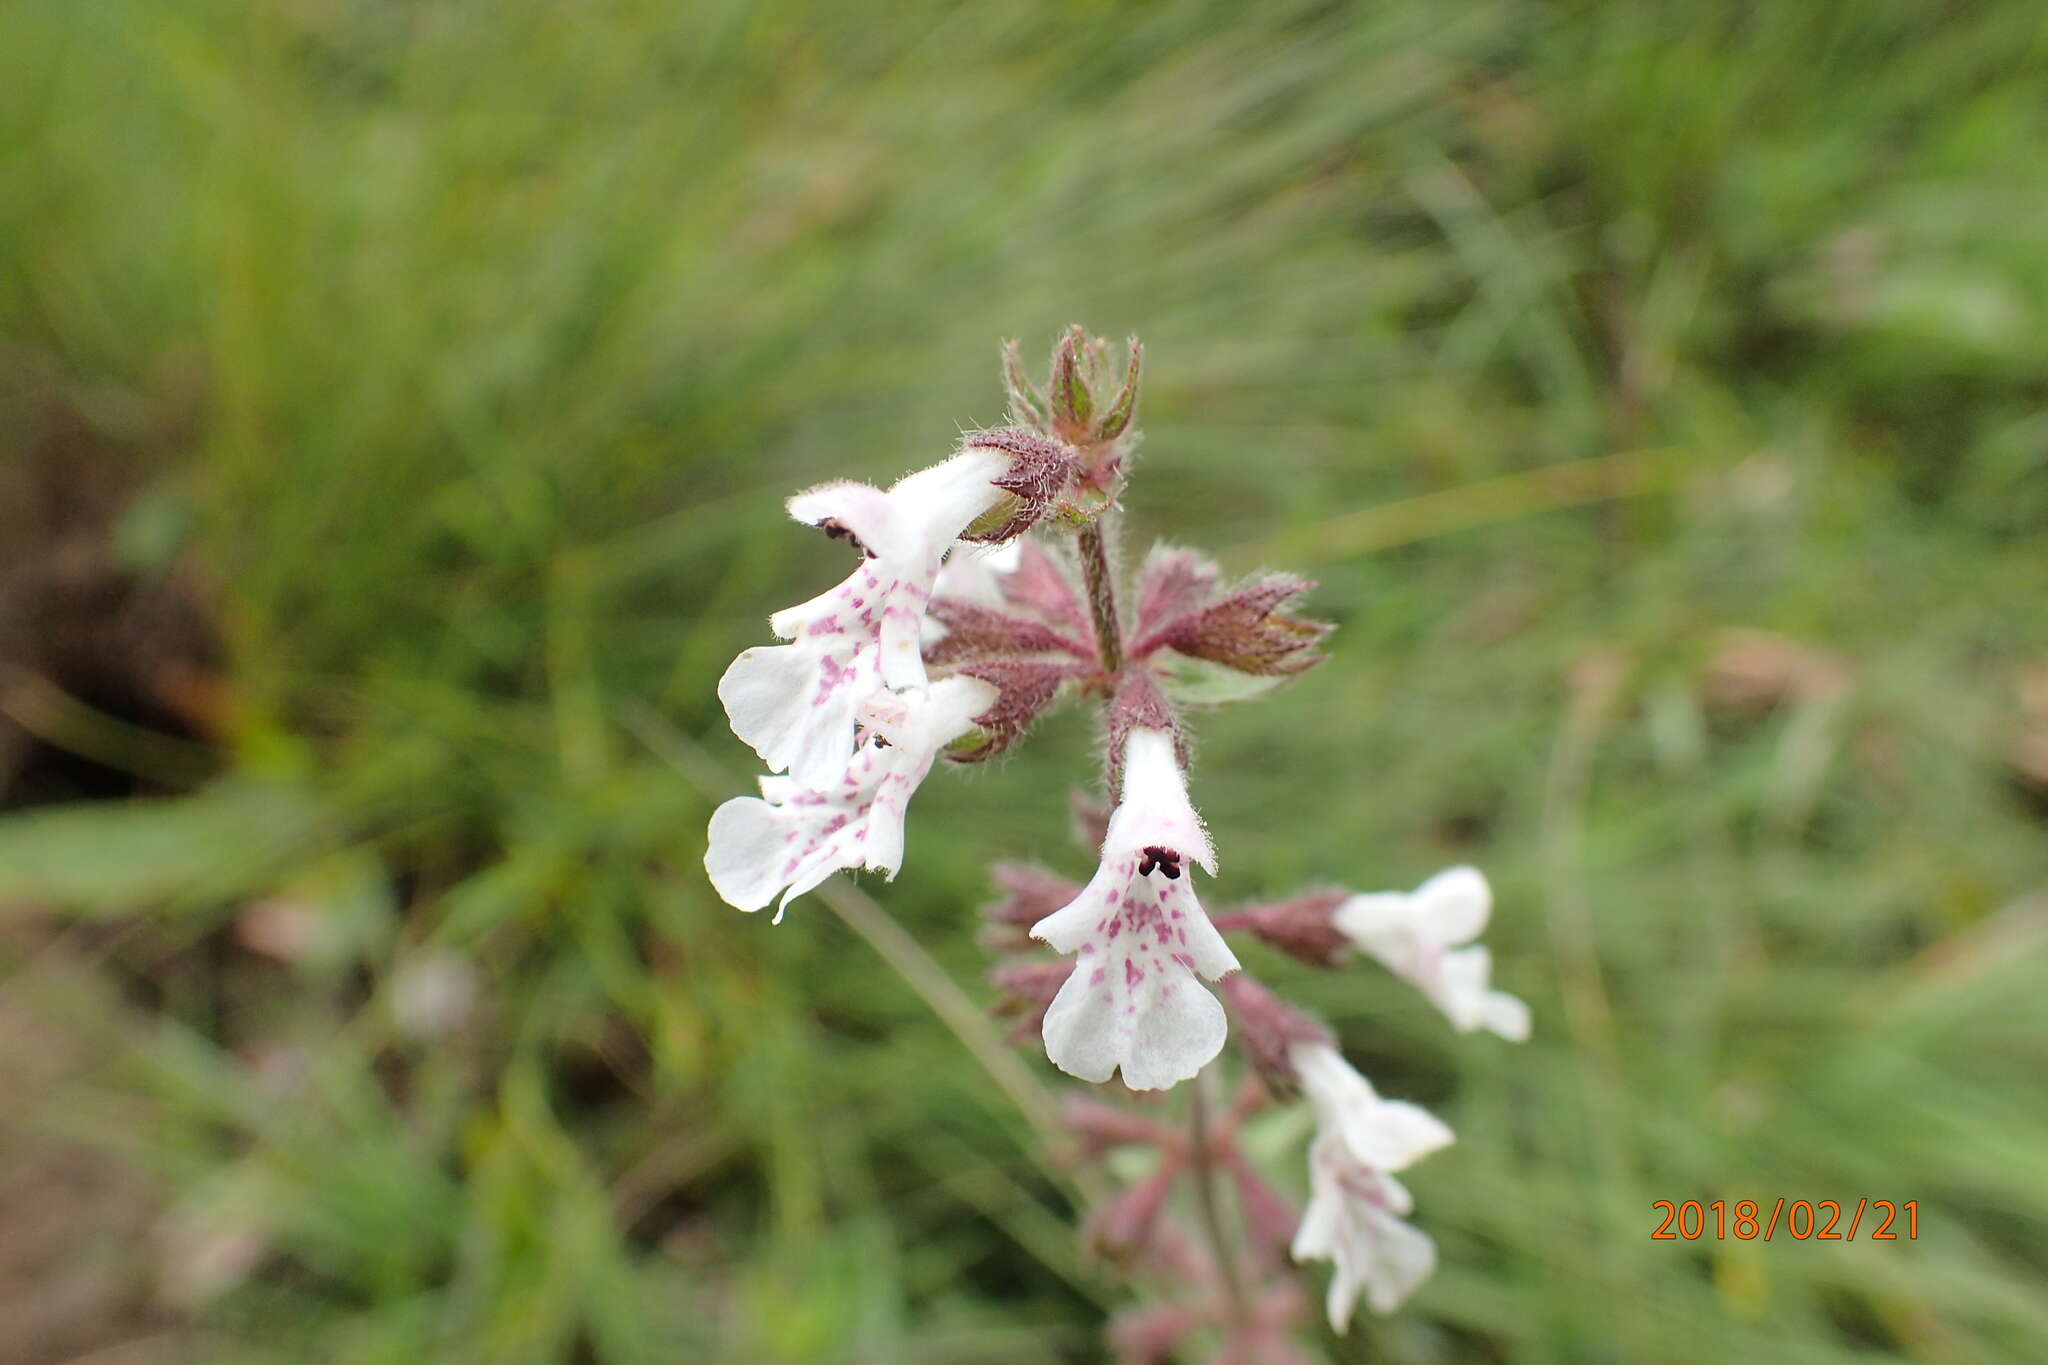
946	498
745	844
781	701
1154	809
949	710
1079	1037
1460	987
975	573
1154	1021
1404	1256
875	518
900	634
1178	1029
1453	906
1353	1220
1208	952
1507	1016
1391	1135
1386	1135
1382	924
1076	924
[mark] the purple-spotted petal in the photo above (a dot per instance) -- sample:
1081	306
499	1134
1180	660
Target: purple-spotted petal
1155	1022
1140	939
794	835
795	704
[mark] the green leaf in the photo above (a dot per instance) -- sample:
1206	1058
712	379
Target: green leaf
111	859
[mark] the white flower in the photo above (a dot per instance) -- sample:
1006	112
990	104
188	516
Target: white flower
796	704
1353	1220
792	837
1415	935
1387	1135
1133	1001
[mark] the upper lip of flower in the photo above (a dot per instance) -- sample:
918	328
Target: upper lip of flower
1155	819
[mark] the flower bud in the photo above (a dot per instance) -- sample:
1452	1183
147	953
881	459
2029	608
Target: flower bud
1123	1227
1028	406
1266	1028
1024	688
1039	470
1303	926
1072	404
1101	1127
1083	405
1243	631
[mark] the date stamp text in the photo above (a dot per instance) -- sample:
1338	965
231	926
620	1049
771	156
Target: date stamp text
1817	1220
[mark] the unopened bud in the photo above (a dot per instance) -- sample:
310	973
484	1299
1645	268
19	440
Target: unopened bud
1124	406
1267	1027
1027	404
1072	404
1039	471
1302	926
1024	688
1244	630
1123	1227
1101	1127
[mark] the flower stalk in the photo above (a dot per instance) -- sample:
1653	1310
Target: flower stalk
956	630
1221	1245
1100	586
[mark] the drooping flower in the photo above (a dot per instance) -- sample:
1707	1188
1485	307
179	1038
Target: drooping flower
797	704
1415	936
1141	937
792	837
1387	1135
1354	1221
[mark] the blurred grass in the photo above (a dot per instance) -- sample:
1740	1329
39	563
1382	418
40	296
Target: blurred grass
514	323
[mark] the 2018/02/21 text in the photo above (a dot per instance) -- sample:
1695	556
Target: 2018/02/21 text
1801	1219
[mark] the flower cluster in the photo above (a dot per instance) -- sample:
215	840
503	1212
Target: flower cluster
983	591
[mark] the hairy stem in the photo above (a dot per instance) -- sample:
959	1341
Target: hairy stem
1109	631
1204	1168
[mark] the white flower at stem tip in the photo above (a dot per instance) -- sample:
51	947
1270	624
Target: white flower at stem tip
1387	1135
796	704
792	837
1415	936
1353	1220
1142	938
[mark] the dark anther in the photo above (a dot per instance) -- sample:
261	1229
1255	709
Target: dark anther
835	529
878	741
1164	859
